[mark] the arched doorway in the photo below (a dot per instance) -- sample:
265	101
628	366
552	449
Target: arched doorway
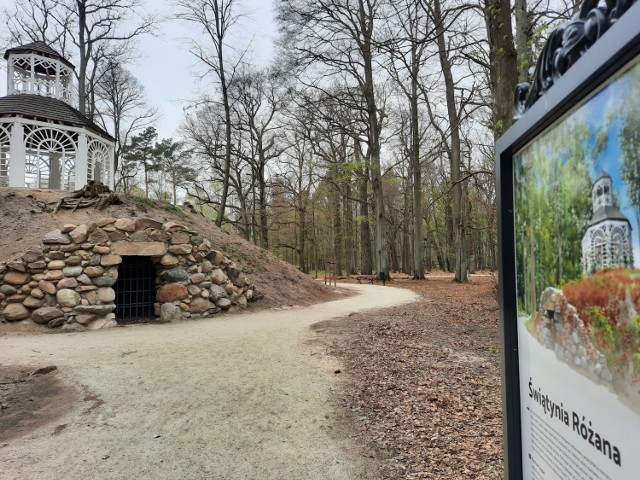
135	289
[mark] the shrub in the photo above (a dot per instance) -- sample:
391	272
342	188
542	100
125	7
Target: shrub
606	290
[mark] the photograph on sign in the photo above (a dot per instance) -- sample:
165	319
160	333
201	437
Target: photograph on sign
577	236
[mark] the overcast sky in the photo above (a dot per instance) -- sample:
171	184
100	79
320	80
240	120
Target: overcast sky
170	74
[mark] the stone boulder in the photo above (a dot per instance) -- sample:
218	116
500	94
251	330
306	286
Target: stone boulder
34	254
56	265
223	303
200	305
242	301
72	271
47	287
180	249
16	278
174	275
105	281
106	294
172	292
170	313
169	260
79	234
96	309
125	224
32	302
93	272
197	278
218	277
54	275
99	236
67	297
46	314
139	237
100	323
15	311
56	237
68	282
56	322
144	223
117	236
233	274
8	289
217	292
110	260
180	237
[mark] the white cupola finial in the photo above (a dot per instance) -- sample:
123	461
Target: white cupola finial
38	69
601	193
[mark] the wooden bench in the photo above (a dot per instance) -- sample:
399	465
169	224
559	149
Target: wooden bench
370	278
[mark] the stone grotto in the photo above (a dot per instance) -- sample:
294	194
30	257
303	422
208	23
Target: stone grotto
120	270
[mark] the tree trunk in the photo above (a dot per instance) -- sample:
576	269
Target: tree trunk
454	156
503	61
350	234
362	174
336	213
82	68
302	241
368	91
523	44
406	240
262	207
416	168
227	151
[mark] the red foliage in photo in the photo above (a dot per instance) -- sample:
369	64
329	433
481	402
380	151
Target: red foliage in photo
606	290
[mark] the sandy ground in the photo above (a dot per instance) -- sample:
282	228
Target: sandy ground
232	397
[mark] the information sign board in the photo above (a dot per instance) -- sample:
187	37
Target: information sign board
568	179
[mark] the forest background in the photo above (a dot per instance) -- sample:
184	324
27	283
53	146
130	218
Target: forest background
367	143
554	179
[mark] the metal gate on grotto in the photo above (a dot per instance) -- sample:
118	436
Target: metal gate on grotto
135	289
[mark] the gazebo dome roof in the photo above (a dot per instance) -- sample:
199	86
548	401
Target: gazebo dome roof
607	213
602	175
47	108
39	48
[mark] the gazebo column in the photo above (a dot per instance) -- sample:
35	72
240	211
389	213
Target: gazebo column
10	84
17	154
110	169
82	161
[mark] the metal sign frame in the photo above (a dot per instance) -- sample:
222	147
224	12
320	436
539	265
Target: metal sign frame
556	93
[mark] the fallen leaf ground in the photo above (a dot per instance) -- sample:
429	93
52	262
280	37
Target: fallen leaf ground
423	380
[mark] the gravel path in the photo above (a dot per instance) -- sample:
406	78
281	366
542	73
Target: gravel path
232	397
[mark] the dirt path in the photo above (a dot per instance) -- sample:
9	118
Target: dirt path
234	397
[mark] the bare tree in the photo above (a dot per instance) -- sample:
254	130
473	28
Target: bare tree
409	36
215	18
258	98
123	109
339	35
96	31
296	171
36	20
205	133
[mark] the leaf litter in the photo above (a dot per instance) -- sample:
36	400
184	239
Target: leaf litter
422	380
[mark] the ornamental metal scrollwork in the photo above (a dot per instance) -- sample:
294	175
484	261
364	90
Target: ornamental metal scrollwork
566	44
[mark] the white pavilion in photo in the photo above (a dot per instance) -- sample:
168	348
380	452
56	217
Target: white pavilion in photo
45	142
607	241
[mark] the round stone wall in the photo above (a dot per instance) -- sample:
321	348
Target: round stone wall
68	281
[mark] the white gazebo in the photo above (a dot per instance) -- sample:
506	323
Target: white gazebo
607	241
44	141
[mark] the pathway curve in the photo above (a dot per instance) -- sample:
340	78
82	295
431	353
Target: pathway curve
230	397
